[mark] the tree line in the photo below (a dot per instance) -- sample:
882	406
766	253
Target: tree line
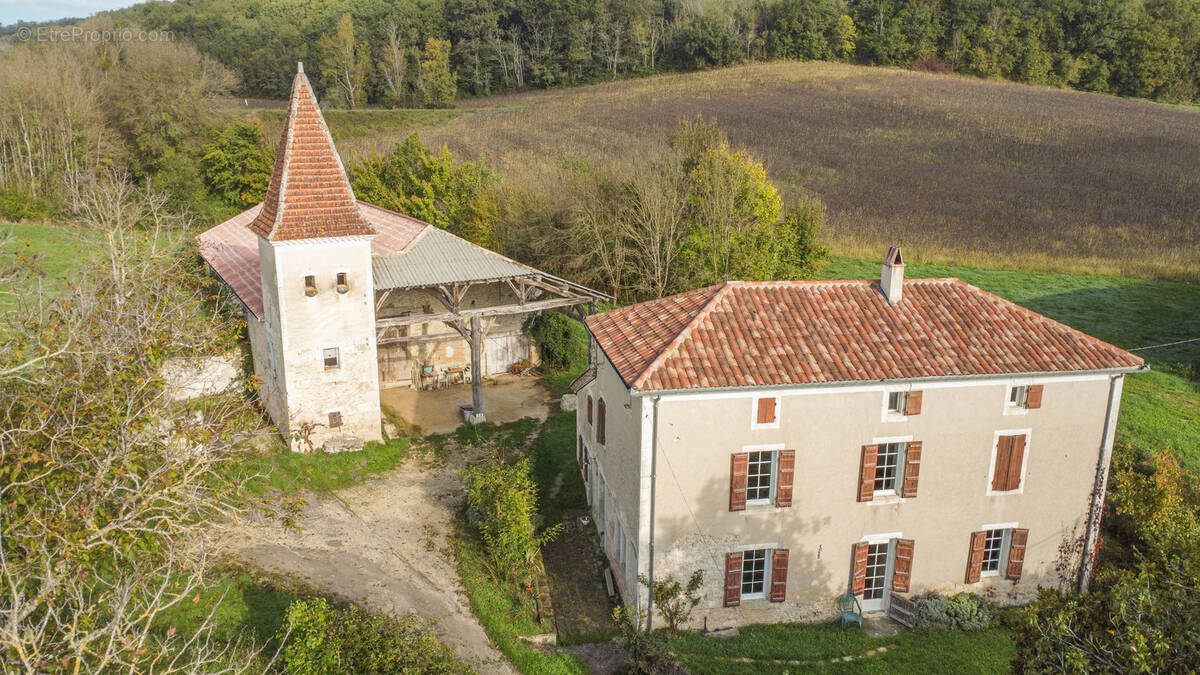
394	49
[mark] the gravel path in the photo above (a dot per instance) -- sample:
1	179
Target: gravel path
384	545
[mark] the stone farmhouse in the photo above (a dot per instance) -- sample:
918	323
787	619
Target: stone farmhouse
343	297
800	440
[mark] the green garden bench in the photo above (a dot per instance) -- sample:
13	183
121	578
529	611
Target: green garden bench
851	610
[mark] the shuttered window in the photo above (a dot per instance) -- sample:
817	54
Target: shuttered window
912	469
1016	553
779	566
766	410
866	478
858	569
733	579
913	405
1010	458
993	549
739	464
1033	397
902	568
975	556
600	426
786	474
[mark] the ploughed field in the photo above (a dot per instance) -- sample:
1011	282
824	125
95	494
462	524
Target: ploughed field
958	170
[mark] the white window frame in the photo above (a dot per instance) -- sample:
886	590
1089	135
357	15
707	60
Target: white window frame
1011	408
887	415
340	360
769	556
888	570
1005	543
893	495
754	425
1024	460
774	449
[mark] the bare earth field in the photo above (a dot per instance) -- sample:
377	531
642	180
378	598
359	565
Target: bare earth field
955	169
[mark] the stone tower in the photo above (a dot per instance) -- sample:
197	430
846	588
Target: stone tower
321	381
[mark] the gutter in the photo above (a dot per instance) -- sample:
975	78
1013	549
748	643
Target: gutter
1103	462
653	485
861	383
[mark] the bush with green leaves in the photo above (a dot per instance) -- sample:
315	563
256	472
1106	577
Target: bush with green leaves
674	600
502	506
237	164
646	652
319	639
964	611
561	341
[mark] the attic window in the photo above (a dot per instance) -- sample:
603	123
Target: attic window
310	285
343	283
332	357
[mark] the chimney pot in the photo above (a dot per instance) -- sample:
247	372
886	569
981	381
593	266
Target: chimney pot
891	281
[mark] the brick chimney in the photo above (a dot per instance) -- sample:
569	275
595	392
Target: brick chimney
891	282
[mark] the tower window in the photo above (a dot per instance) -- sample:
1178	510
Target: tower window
343	284
333	358
310	285
335	419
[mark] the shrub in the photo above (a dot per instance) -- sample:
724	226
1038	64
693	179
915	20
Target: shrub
502	506
674	600
645	652
561	341
320	639
237	164
965	611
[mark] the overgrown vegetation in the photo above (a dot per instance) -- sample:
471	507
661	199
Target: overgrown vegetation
319	639
108	482
502	507
962	611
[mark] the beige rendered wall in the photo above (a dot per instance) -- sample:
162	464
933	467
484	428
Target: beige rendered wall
957	425
304	326
619	460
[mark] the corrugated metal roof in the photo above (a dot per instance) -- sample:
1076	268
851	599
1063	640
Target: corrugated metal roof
438	257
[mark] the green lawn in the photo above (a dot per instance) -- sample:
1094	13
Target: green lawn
288	471
815	645
55	252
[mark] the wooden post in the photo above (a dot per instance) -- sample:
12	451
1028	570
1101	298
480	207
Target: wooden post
476	372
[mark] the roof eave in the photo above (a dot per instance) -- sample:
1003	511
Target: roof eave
1123	370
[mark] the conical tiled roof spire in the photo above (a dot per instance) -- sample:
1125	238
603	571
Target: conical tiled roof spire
309	195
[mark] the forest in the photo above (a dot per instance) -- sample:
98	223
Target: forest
395	53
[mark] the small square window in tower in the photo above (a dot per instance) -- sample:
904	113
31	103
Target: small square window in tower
310	285
332	357
335	419
343	282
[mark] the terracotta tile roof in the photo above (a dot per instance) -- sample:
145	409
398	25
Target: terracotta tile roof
747	334
309	195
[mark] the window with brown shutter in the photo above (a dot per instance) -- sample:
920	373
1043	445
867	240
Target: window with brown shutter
766	410
866	481
739	466
858	571
733	579
902	567
787	473
975	556
779	565
912	469
1033	396
1016	553
600	416
1010	455
913	405
589	409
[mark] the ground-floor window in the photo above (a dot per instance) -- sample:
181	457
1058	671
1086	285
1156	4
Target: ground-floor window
877	557
754	573
993	549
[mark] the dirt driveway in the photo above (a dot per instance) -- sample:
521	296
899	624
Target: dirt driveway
382	544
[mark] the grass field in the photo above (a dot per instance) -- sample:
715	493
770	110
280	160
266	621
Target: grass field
957	169
55	253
